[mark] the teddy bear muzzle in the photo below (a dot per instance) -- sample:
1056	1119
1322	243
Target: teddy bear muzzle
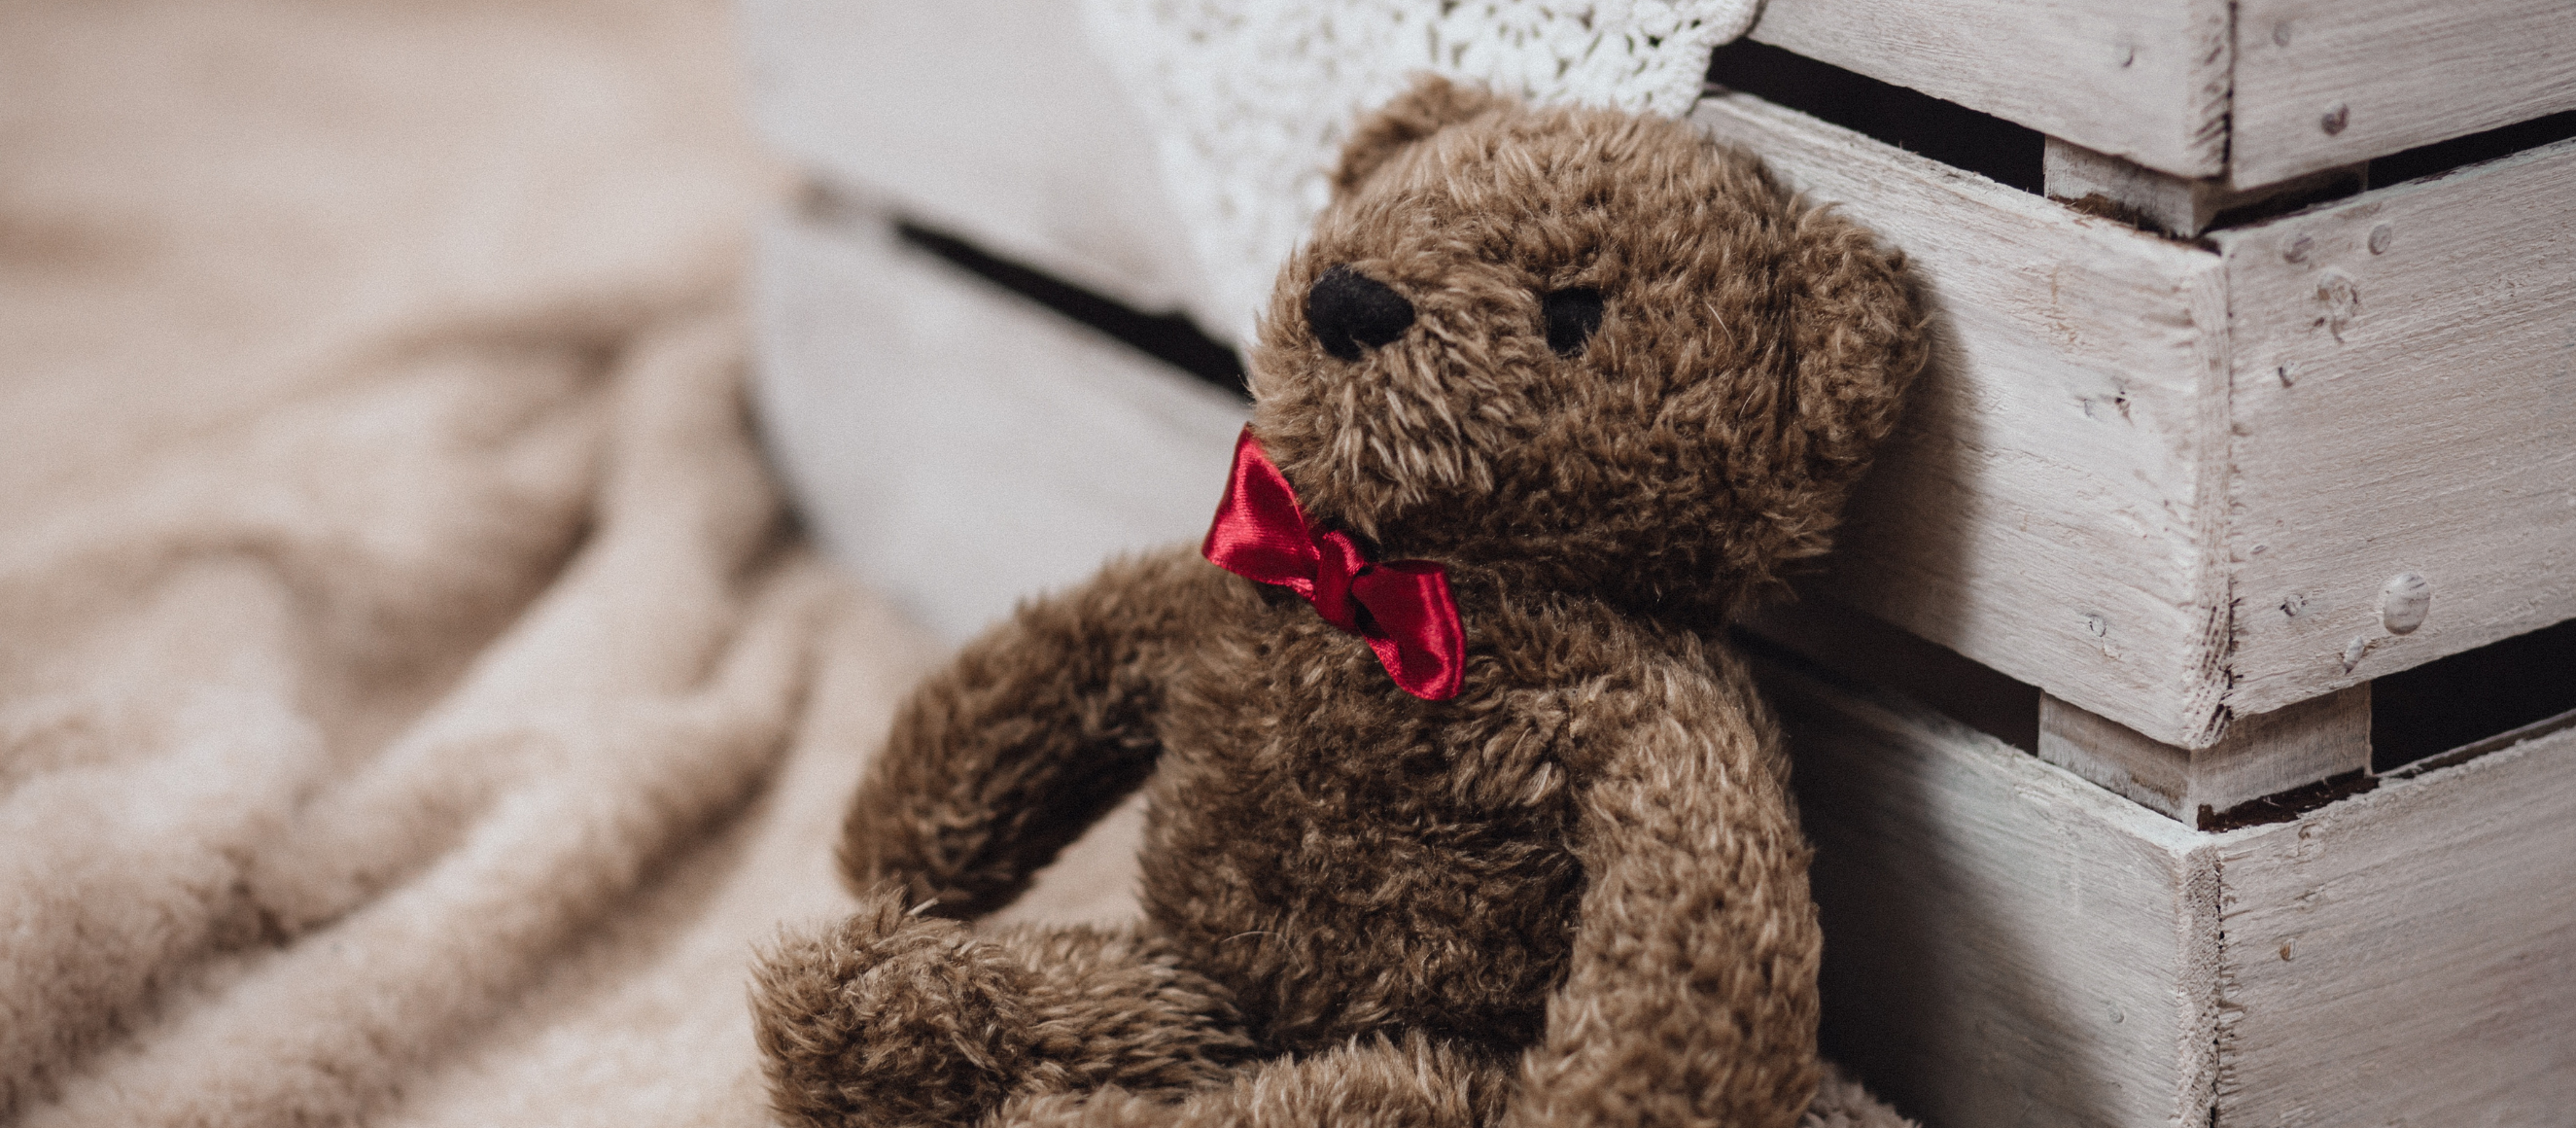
1351	311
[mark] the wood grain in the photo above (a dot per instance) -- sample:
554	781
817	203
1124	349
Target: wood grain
2405	409
2006	944
995	122
957	445
2051	504
2263	754
2179	205
2389	75
2144	81
2408	956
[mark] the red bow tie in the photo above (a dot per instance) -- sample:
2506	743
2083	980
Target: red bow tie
1402	607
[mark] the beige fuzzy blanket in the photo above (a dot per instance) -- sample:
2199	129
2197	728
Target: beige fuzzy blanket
413	707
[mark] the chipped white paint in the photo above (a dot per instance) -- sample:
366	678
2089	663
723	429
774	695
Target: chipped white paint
2403	602
2408	956
2431	430
2177	205
2005	944
2330	82
2145	81
2156	480
2256	92
2048	504
2264	754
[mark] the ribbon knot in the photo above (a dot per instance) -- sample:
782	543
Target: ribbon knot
1402	608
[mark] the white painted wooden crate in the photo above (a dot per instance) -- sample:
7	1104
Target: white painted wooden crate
2007	944
956	444
2172	482
2247	91
2167	482
994	120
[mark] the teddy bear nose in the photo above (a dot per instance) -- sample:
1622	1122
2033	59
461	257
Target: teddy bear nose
1351	311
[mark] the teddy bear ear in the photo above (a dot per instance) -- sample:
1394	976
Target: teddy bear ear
1431	105
1857	330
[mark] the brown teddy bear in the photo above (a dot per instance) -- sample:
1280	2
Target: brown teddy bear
1459	811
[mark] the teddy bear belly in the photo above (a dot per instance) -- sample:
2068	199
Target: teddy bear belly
1328	929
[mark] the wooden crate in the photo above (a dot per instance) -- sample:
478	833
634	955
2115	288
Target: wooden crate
2249	92
994	121
2173	482
956	444
2008	944
2161	491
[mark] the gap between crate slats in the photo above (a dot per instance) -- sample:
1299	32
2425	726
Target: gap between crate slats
2147	81
2148	477
2408	956
2320	83
2007	944
996	122
2404	402
2044	507
961	446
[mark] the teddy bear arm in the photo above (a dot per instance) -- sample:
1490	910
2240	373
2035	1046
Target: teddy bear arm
1691	994
1034	732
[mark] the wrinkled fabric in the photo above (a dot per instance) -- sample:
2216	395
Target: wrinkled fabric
411	704
414	707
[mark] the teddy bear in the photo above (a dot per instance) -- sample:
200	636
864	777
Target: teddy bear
1459	810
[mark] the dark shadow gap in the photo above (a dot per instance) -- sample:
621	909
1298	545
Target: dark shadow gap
2287	806
1944	131
1168	337
1862	648
2450	703
2444	157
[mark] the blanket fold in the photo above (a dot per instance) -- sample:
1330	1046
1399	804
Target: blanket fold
414	705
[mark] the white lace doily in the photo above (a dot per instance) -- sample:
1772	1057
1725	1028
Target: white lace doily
1249	100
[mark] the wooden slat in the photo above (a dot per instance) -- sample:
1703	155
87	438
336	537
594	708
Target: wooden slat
2409	956
958	445
2051	504
2261	755
2156	480
2147	81
2404	403
2073	174
2005	944
2328	82
994	121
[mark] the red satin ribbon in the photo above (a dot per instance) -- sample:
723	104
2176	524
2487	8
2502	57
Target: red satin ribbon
1402	607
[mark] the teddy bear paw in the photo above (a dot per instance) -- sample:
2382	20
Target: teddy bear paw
891	1020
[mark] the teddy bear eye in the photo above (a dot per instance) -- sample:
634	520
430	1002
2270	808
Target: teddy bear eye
1571	317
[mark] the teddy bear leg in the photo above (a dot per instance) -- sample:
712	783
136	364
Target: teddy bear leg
891	1019
1370	1083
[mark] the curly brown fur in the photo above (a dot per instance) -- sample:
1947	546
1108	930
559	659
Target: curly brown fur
1752	352
896	1018
1573	893
1368	1083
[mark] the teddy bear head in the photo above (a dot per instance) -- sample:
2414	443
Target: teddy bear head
1583	350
